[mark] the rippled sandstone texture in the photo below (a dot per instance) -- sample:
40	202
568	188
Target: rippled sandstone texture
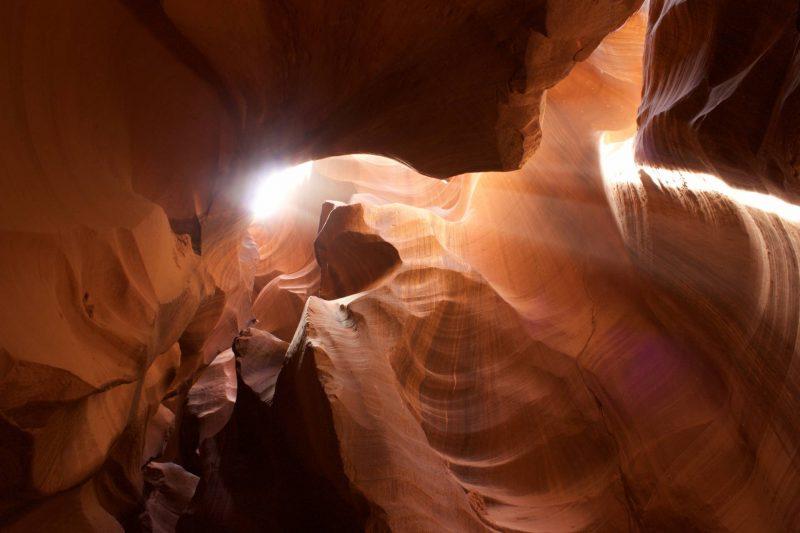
722	91
542	349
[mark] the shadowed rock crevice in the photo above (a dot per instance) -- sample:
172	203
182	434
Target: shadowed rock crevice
277	456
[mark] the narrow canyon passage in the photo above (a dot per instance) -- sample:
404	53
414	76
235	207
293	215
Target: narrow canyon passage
418	266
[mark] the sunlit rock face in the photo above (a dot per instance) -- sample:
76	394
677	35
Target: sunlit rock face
586	343
721	91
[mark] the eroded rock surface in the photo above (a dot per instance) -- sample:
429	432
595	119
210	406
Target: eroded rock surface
564	347
722	91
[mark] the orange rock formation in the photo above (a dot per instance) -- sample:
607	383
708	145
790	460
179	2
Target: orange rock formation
478	313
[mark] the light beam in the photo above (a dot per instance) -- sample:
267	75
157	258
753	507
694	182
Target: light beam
620	168
275	190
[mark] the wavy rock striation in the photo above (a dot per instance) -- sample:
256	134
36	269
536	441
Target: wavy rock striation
721	91
578	344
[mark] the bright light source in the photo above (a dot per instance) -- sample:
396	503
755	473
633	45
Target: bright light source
276	189
620	169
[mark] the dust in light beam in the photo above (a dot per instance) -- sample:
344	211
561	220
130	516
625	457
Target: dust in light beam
619	168
275	189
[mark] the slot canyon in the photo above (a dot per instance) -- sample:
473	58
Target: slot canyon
412	266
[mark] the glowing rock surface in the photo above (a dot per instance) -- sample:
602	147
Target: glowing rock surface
556	337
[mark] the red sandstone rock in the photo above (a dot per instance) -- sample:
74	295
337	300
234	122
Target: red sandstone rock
211	398
170	490
721	91
545	349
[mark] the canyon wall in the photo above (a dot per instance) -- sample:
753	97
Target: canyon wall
721	91
573	344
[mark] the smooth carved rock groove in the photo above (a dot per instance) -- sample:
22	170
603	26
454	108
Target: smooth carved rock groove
522	288
724	96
